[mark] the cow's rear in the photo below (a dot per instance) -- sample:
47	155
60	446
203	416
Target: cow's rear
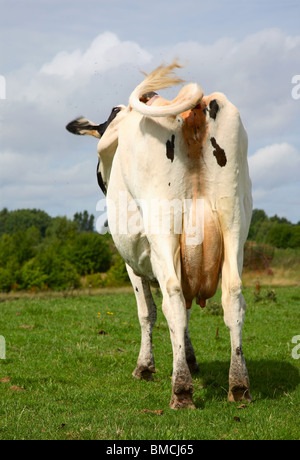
190	150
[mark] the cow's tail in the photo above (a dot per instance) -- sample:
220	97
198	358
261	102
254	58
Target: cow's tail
163	77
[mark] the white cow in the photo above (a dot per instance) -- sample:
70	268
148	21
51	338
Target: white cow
153	155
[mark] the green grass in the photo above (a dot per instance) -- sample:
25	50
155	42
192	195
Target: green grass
74	367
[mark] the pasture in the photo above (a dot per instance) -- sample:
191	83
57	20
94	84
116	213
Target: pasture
67	372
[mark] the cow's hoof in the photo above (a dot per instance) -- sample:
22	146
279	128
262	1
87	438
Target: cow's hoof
239	393
182	401
144	373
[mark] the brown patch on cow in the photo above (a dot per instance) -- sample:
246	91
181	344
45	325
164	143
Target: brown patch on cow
201	263
170	145
201	302
219	153
188	304
194	129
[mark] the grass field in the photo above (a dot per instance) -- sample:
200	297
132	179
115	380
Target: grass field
67	372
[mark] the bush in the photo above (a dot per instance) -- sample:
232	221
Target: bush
19	247
95	280
32	275
49	270
257	256
286	258
89	253
6	280
279	235
62	275
275	231
117	275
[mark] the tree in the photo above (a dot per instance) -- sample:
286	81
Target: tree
294	241
276	231
3	217
6	280
117	275
89	253
84	222
19	247
258	217
12	221
61	229
49	269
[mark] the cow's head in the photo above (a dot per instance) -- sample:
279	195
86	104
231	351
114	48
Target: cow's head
108	134
82	126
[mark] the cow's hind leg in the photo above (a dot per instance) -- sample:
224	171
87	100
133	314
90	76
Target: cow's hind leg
175	312
234	306
147	317
189	350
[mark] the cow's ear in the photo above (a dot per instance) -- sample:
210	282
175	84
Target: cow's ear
83	127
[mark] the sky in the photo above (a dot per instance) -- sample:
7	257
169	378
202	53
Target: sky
62	59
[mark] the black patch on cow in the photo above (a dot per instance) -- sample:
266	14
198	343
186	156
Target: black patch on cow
101	183
171	148
76	126
219	153
103	127
213	109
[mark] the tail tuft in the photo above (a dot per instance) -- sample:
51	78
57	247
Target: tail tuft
163	77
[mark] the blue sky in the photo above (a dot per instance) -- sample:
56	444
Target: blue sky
66	58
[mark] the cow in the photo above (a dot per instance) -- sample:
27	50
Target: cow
192	149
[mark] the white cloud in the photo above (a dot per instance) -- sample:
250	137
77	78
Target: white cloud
105	52
275	174
30	181
274	166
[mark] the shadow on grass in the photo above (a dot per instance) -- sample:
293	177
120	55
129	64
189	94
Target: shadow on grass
269	379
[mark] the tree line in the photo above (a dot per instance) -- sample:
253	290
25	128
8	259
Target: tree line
41	252
38	251
275	231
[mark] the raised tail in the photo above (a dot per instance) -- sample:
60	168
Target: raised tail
164	77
